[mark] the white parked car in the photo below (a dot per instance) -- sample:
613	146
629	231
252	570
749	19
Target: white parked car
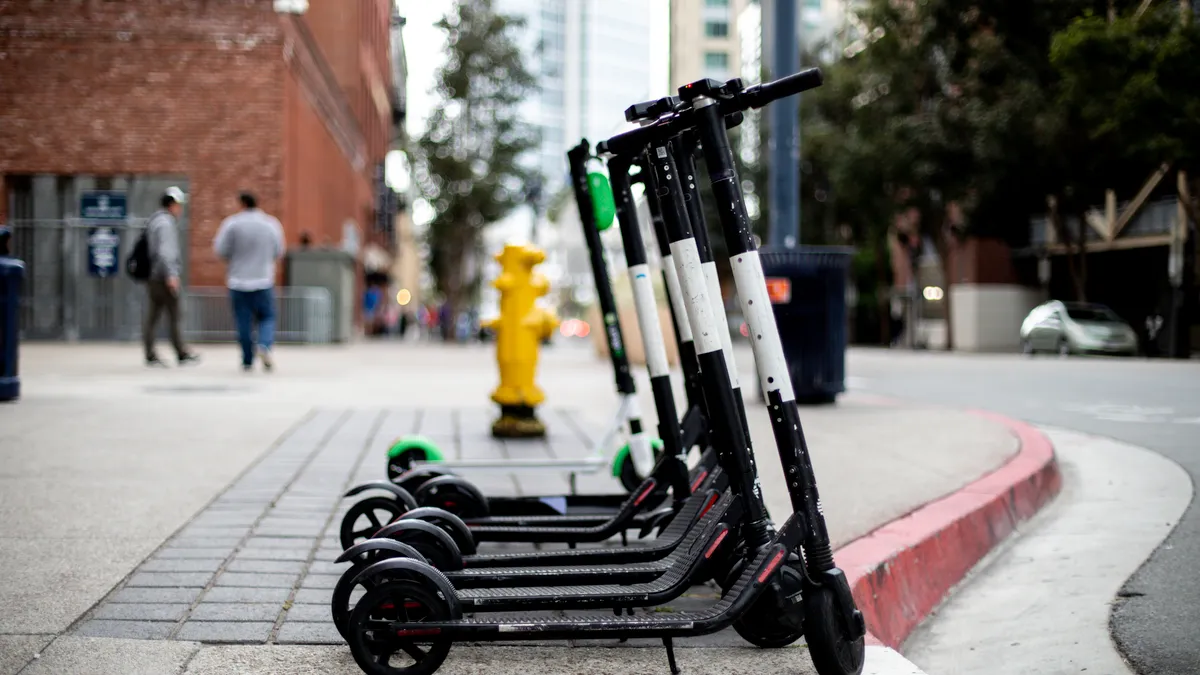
1076	328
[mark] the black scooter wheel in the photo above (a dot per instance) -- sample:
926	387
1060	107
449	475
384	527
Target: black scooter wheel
452	524
396	466
454	494
413	479
386	611
344	589
628	475
773	621
829	643
367	517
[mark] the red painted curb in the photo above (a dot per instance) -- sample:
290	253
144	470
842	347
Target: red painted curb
901	571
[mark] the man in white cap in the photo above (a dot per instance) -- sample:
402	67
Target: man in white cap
162	239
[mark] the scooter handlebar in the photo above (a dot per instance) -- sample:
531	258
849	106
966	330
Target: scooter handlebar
760	95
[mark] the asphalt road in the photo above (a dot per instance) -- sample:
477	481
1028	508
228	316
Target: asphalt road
1151	403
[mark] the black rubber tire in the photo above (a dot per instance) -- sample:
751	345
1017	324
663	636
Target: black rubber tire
762	625
339	604
454	494
832	653
370	507
397	593
413	479
432	542
452	524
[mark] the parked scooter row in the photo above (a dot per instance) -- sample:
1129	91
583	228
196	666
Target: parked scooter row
424	585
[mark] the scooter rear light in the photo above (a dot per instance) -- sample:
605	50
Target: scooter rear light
711	500
699	479
775	560
713	549
645	493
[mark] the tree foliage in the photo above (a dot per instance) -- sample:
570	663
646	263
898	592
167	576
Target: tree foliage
469	160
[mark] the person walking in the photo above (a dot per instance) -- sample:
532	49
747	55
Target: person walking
250	242
162	286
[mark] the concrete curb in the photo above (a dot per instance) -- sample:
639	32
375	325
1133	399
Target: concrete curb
901	571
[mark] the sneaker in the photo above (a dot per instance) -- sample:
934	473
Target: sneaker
189	359
155	362
264	353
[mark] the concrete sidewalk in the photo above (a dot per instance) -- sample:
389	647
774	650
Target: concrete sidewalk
102	462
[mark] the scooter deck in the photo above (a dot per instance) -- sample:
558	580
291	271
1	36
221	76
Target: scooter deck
666	542
715	510
696	478
492	627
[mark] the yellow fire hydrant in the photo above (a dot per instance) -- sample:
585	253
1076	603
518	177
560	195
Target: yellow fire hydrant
520	330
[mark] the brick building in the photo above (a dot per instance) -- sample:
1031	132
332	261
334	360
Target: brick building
213	95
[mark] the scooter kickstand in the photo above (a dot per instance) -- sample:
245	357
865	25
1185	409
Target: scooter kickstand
667	642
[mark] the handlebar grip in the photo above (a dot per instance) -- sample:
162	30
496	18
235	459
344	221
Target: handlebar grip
762	94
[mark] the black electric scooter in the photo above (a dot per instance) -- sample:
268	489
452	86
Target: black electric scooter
788	584
643	584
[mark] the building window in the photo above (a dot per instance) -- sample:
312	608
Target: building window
716	29
716	3
716	60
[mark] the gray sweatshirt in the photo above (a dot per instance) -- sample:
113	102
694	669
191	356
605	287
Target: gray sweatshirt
162	238
250	241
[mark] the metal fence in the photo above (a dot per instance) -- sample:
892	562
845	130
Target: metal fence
62	298
303	314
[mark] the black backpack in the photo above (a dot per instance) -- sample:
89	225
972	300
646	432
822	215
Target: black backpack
137	265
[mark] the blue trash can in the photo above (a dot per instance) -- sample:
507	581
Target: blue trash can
808	293
12	271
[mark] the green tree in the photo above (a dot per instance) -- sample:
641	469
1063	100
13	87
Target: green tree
469	162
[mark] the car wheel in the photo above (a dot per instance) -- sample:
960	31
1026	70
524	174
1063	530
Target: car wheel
1064	348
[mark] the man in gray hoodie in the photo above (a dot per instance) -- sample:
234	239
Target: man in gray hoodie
251	241
162	288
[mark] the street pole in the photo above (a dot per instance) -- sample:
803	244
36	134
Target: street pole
784	145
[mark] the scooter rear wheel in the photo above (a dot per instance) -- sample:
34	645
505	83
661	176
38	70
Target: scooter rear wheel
454	494
833	653
767	623
393	605
413	479
366	518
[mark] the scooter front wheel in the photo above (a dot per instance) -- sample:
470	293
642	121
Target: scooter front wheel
385	635
833	651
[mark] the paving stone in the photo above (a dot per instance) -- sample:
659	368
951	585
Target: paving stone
205	542
139	611
292	554
300	612
314	596
227	631
183	552
323	567
215	532
292	531
231	611
169	580
276	566
245	595
278	542
181	565
320	581
302	632
144	630
257	580
157	595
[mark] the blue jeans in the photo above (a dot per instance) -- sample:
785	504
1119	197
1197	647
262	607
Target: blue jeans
248	307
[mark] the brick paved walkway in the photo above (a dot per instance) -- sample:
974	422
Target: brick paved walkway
257	565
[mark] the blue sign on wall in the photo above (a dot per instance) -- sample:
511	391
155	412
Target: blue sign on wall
103	206
102	209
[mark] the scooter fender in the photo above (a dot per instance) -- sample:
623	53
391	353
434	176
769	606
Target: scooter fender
462	535
401	568
388	548
401	529
401	495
